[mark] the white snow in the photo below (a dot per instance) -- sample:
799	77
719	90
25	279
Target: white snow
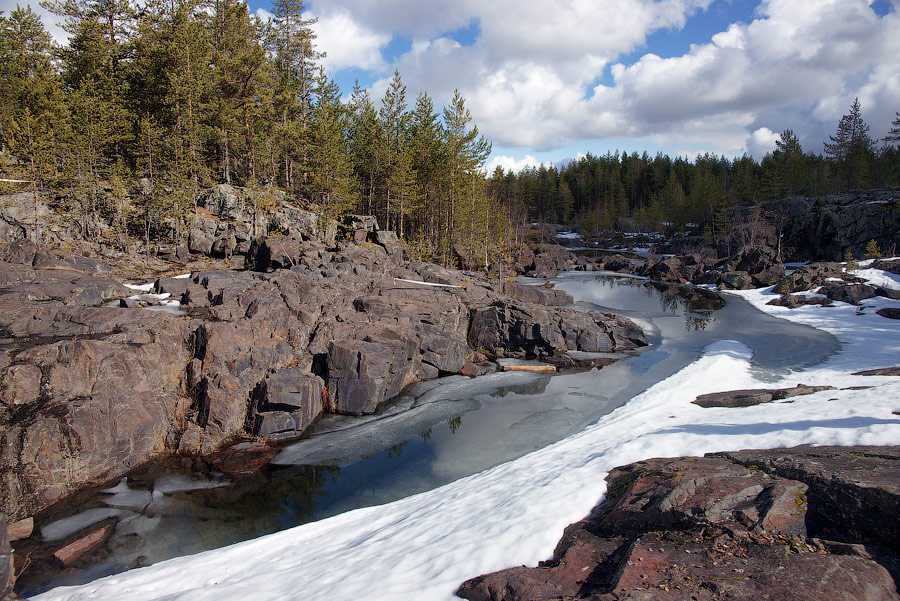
876	277
427	283
569	236
142	287
423	547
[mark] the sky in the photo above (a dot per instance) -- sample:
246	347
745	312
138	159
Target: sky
550	80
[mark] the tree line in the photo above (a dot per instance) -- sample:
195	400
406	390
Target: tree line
621	191
184	94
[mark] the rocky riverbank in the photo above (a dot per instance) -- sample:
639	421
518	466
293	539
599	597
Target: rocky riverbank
93	384
792	524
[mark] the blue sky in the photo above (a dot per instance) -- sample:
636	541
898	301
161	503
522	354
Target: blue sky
547	80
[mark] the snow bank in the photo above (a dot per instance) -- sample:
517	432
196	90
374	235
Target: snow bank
423	547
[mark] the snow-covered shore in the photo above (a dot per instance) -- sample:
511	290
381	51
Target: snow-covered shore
424	547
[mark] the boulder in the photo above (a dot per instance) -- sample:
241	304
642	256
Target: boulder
200	242
889	312
736	280
362	373
550	297
548	261
743	525
535	331
295	222
286	403
848	293
748	398
223	200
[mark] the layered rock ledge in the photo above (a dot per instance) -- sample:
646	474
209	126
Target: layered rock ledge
92	384
811	523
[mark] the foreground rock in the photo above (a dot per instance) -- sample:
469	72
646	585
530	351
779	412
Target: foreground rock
91	387
757	396
787	524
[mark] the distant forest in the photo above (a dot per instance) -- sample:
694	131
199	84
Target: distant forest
617	191
143	110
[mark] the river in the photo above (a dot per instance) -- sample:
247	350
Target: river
435	433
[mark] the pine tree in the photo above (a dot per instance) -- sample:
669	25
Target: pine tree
97	60
365	138
33	114
239	89
894	133
852	149
293	45
393	118
428	161
466	152
335	186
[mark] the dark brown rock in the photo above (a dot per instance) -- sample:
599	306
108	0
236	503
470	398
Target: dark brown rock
244	458
889	312
748	398
736	280
848	293
743	525
473	370
286	403
540	295
883	371
21	529
792	301
363	374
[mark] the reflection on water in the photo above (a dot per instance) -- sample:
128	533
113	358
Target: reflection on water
435	433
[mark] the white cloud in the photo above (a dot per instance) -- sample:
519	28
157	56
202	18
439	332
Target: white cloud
761	142
530	78
347	43
264	15
513	164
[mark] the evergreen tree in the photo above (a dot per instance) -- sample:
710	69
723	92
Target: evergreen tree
894	134
240	88
293	45
393	118
365	140
33	114
96	61
332	171
427	153
852	149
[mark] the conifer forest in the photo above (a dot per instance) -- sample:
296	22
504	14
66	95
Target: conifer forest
145	108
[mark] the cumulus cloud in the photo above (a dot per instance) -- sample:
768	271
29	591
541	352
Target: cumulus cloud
762	141
513	164
531	76
348	43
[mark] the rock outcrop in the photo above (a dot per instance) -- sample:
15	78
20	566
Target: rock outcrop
815	524
92	385
827	228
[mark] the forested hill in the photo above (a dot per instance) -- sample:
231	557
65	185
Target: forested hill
188	93
144	109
